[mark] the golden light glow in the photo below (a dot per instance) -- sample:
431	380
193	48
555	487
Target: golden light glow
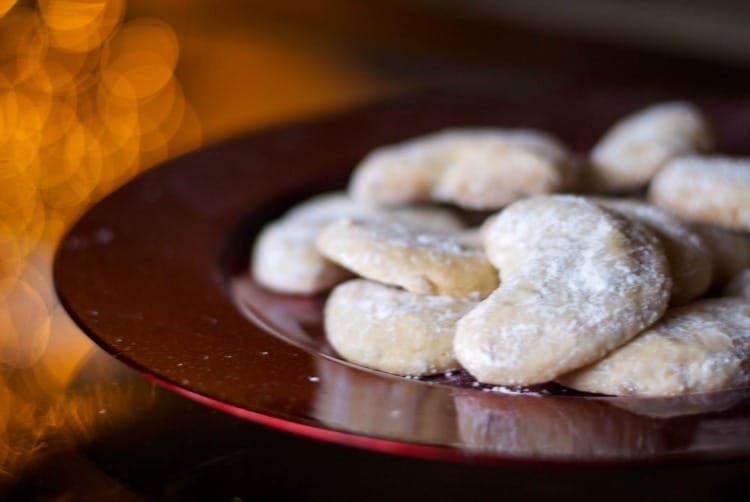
5	6
23	42
140	59
24	322
81	26
64	15
189	134
86	102
89	97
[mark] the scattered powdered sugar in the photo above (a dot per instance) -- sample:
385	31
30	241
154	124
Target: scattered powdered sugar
286	260
400	254
431	166
393	330
637	146
714	169
705	189
578	281
517	391
581	277
701	347
689	258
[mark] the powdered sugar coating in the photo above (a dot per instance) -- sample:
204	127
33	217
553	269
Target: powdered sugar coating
474	168
403	255
739	285
491	172
407	172
639	145
577	282
701	347
712	190
393	330
689	258
285	258
330	206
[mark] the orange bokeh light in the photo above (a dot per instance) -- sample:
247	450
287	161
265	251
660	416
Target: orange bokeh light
86	102
66	15
23	42
163	110
140	59
24	323
5	6
81	26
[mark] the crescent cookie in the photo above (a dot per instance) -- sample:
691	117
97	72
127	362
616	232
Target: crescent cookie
284	257
402	255
690	260
492	172
392	330
701	347
473	168
634	149
712	190
577	282
407	172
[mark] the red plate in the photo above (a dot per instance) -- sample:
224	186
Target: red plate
156	275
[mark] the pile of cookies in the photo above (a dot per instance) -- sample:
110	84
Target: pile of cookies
618	296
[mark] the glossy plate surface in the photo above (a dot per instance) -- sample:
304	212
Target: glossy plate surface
156	275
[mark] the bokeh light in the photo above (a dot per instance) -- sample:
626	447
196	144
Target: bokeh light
81	26
6	5
23	43
87	100
140	59
92	92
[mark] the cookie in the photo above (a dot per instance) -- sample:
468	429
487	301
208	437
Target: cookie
713	190
285	259
635	148
472	168
392	330
491	172
701	347
407	172
690	260
402	255
577	282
